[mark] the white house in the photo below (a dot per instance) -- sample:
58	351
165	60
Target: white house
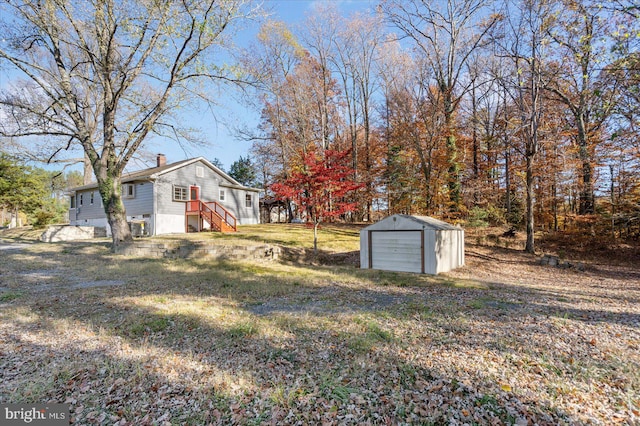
405	243
187	196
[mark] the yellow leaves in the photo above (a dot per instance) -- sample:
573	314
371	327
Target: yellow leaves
505	387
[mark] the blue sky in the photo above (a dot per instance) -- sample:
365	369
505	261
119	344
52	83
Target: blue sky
214	124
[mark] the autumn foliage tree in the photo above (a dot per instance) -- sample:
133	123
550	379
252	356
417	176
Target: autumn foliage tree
321	187
519	112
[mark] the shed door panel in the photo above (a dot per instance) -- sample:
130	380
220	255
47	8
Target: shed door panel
396	251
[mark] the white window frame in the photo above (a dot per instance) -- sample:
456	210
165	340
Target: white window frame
91	197
81	201
222	195
182	195
199	171
129	190
248	201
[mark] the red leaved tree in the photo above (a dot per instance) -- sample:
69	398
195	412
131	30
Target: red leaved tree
321	187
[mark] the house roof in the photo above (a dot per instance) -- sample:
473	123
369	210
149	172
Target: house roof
153	172
403	221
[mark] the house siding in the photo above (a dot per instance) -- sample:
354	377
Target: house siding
153	200
235	201
185	176
142	202
86	210
137	208
210	184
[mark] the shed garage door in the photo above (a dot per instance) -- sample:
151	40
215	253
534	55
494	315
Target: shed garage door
396	251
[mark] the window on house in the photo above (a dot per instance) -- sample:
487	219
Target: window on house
81	199
199	171
221	198
72	202
91	198
180	193
248	201
129	190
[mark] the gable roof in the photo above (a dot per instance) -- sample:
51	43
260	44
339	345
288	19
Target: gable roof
433	223
153	172
404	221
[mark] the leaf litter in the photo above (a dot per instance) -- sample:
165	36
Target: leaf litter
500	341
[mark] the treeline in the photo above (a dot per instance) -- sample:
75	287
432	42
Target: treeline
519	112
31	195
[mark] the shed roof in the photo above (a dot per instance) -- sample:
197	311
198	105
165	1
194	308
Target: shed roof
412	222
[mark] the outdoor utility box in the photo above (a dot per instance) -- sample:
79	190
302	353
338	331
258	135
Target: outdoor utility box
139	228
406	243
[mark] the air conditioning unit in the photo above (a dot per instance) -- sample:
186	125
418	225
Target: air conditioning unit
139	228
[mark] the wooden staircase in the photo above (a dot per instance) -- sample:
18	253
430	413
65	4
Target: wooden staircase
212	216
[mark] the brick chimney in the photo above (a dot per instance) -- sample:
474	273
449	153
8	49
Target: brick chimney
161	160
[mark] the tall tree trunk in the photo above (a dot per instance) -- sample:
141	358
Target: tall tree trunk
554	188
111	192
530	245
507	159
425	168
87	172
587	205
507	179
475	145
367	147
315	236
452	158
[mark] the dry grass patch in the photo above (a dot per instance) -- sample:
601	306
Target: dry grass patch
501	341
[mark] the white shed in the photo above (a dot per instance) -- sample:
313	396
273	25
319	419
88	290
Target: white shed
405	243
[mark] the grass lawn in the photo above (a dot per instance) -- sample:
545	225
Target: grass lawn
134	341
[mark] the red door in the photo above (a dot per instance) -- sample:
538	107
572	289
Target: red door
194	193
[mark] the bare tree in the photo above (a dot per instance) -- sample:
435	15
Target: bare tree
523	42
354	55
580	36
395	69
104	75
446	33
319	36
271	63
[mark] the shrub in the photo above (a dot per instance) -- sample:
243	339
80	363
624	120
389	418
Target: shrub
478	218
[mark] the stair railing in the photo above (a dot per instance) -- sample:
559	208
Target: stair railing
223	213
213	212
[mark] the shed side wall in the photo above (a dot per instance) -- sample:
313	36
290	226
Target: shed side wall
430	258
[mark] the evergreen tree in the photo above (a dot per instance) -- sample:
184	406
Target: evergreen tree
244	171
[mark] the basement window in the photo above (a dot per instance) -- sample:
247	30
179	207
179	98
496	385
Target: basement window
180	193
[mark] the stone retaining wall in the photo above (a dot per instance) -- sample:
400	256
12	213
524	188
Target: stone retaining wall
57	233
199	249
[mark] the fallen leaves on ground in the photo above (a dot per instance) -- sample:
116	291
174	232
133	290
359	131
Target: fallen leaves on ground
500	341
